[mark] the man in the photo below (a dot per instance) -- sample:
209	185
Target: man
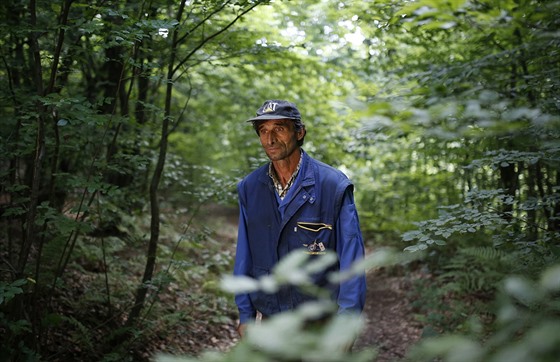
293	202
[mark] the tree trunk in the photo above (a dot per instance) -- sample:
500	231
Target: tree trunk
532	220
509	182
154	185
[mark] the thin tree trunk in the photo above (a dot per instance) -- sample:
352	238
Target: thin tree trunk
532	220
39	151
154	185
509	181
37	165
156	177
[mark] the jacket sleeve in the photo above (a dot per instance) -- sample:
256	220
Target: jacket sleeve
243	266
350	248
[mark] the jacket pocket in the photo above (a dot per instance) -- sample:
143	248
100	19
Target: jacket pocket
314	236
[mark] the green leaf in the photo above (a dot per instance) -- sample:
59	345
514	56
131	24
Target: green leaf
238	284
9	290
412	248
523	290
550	279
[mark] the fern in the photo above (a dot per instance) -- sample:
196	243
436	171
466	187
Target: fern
82	335
485	253
477	269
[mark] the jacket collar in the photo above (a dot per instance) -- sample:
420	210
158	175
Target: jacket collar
308	171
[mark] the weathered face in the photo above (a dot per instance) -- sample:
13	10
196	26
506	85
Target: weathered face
279	138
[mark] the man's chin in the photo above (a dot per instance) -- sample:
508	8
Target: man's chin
274	156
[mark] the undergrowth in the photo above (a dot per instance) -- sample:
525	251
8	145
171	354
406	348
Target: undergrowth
184	303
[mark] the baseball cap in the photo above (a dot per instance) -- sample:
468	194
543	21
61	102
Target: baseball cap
276	109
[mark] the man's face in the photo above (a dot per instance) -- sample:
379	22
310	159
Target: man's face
279	138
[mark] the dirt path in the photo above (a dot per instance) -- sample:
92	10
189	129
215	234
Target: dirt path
390	325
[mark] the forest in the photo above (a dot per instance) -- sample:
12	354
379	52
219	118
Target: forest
123	135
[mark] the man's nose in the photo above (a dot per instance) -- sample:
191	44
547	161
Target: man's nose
270	138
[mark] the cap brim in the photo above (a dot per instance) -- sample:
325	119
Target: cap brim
268	116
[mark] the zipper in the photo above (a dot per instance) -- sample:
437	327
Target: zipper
313	226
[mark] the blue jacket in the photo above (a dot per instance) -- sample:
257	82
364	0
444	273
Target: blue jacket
318	213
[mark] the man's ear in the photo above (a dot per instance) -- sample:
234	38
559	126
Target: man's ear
301	134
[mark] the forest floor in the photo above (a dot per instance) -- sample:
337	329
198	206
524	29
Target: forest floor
390	325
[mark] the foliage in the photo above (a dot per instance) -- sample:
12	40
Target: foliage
87	100
458	219
9	290
181	296
477	123
527	326
18	327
